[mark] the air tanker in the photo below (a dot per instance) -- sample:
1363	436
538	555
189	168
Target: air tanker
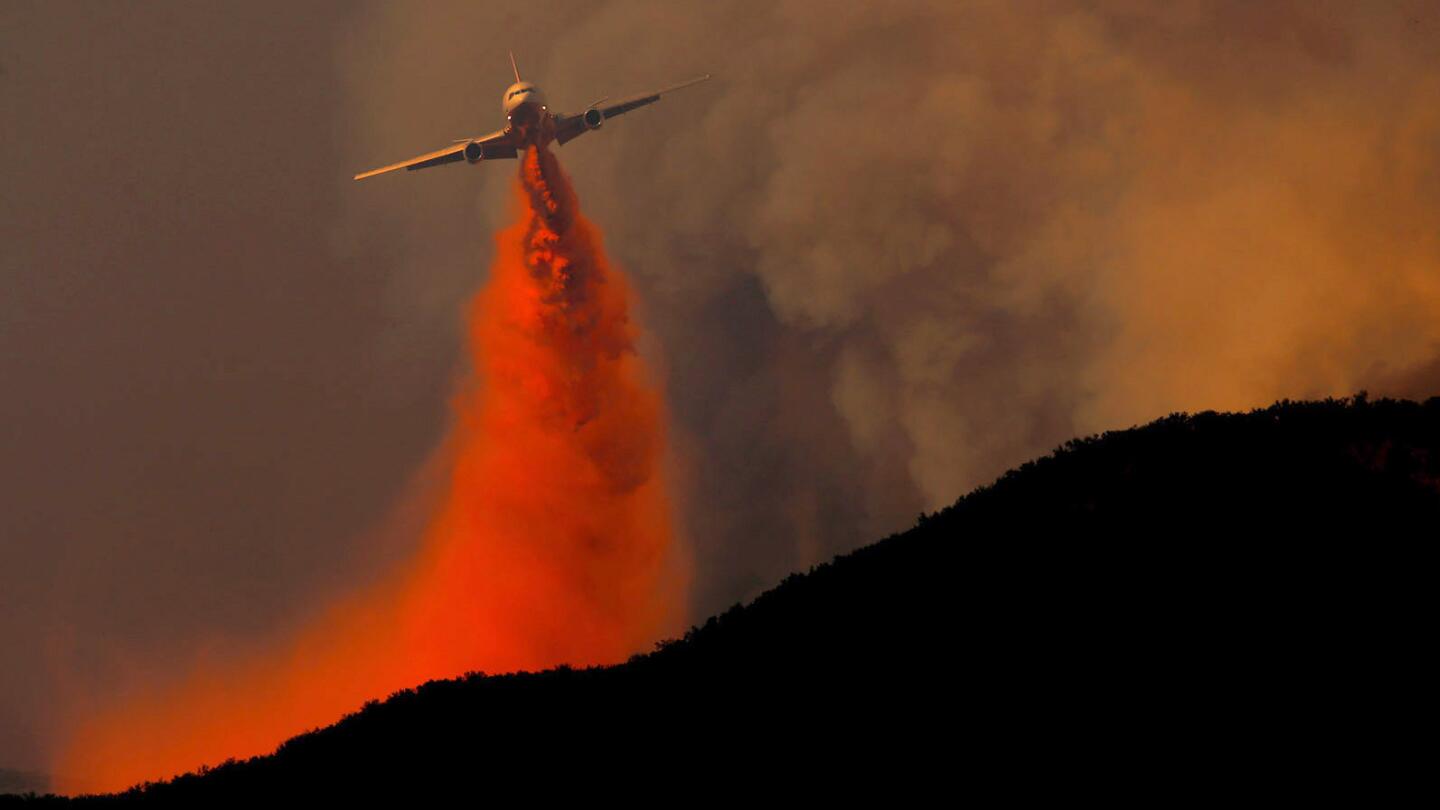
529	122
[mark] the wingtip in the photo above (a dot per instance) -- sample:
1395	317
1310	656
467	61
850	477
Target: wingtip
682	85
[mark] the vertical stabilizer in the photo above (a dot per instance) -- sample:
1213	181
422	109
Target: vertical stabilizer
512	67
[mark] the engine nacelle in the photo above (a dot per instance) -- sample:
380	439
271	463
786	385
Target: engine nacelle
474	152
594	118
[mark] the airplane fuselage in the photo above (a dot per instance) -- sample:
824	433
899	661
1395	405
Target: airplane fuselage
528	114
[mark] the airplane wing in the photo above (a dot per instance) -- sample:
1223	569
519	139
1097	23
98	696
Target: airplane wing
573	126
495	145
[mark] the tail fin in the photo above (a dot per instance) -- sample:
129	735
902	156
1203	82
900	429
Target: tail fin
512	67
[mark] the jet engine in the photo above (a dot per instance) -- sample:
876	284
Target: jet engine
474	152
594	118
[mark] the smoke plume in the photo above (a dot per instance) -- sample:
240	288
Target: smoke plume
554	544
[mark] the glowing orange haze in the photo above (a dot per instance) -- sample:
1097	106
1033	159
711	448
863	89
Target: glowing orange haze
554	543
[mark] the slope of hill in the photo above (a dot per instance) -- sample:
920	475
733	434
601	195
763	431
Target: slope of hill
1203	603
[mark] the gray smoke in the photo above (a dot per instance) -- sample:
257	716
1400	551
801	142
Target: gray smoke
893	249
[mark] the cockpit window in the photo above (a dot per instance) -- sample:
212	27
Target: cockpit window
514	93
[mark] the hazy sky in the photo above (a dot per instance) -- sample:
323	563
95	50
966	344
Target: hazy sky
890	250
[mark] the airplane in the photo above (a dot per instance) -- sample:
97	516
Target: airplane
529	122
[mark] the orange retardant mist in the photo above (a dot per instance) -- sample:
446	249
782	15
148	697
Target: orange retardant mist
554	544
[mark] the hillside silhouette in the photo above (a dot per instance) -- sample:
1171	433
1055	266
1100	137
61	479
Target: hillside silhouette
1212	604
